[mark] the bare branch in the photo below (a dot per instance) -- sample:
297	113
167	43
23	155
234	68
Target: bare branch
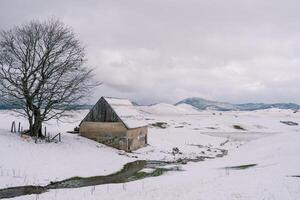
42	70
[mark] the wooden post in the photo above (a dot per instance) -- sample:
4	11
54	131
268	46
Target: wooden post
19	127
59	137
13	127
45	131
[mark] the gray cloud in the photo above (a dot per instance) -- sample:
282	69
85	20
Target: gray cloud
166	50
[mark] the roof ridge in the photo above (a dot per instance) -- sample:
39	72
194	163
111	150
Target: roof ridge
116	98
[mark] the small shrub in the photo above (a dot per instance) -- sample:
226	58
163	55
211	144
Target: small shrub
241	166
162	125
239	127
289	123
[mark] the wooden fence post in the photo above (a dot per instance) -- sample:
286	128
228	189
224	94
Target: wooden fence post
59	137
13	127
19	127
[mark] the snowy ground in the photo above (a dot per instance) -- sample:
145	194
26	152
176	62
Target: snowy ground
273	146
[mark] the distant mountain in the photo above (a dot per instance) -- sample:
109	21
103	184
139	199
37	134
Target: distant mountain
79	107
260	106
203	104
4	106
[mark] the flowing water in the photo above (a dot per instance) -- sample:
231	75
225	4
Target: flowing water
130	172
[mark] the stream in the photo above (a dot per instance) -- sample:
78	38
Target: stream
132	171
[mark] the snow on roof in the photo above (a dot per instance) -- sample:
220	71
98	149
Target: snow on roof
117	101
131	117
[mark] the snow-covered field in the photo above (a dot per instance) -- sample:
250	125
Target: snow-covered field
273	146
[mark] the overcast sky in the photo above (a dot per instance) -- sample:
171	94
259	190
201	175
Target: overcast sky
166	50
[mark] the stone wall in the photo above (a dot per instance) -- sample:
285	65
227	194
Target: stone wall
115	134
109	133
137	138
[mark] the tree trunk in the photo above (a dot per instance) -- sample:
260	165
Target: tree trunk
37	125
37	129
30	126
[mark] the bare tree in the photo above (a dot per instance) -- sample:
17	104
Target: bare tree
42	71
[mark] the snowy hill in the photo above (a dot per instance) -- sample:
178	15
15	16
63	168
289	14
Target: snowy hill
203	104
169	109
264	154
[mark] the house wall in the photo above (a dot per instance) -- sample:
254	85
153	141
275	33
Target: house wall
109	133
115	134
137	138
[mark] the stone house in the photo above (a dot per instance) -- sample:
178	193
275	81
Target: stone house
115	122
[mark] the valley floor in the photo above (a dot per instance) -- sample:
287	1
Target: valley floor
269	147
